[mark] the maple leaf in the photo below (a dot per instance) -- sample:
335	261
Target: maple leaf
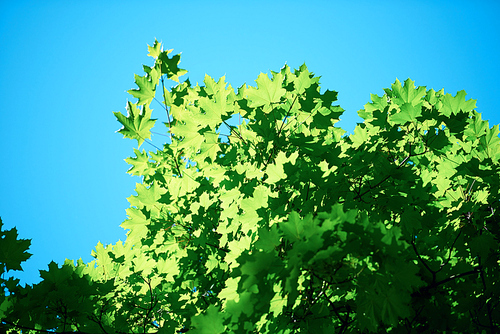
210	147
476	128
169	65
408	113
218	104
276	171
141	166
293	229
13	251
146	91
209	323
268	91
407	93
189	133
490	141
137	124
454	104
136	223
155	50
304	79
147	196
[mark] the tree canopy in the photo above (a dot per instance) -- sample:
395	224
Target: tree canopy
259	215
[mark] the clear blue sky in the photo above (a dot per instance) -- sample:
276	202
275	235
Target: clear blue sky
65	66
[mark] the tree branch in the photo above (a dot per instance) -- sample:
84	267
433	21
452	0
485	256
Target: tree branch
169	125
423	262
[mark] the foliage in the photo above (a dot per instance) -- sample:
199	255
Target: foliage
259	215
13	252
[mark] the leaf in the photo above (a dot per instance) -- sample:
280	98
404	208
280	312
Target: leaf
212	263
169	267
378	103
490	142
268	92
393	233
304	79
406	275
407	93
275	172
217	104
189	133
136	220
394	306
137	124
408	113
210	147
477	126
147	196
141	166
452	105
154	51
268	239
483	245
146	91
360	136
13	251
292	228
277	304
169	66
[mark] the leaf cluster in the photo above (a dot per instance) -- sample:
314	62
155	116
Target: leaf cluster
259	215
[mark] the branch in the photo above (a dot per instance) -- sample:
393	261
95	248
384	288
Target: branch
451	249
423	262
238	135
446	280
282	127
169	125
5	322
217	247
370	188
488	306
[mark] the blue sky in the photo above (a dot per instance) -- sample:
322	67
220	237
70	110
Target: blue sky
65	67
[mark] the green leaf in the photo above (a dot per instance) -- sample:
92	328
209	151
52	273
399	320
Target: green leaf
394	306
137	124
275	172
13	251
268	91
155	50
477	127
304	79
490	142
293	228
169	66
268	239
146	91
210	147
394	233
408	113
217	105
360	136
136	221
407	93
147	196
483	245
452	105
190	135
141	166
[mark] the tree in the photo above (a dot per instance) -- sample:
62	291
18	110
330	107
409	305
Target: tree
259	215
